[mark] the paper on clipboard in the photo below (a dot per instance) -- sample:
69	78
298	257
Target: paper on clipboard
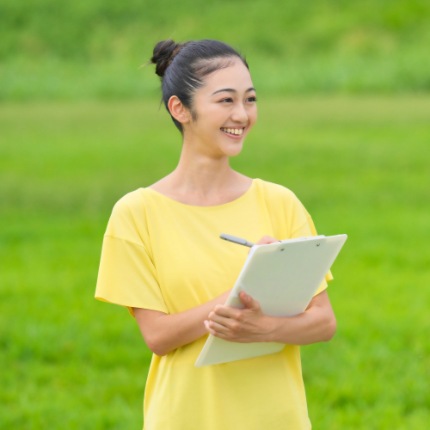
283	277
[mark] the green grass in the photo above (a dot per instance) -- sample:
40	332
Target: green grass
359	164
51	50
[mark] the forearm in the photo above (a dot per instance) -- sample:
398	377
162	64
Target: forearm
249	324
164	333
316	324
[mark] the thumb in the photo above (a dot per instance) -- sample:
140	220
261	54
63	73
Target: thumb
248	301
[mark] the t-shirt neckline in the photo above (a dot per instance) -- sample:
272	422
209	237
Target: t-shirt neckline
222	205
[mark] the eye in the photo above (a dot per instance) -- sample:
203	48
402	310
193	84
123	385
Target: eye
226	100
252	99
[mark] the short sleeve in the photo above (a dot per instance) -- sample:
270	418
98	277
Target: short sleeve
307	228
127	275
290	218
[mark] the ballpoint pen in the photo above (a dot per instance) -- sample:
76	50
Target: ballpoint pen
235	239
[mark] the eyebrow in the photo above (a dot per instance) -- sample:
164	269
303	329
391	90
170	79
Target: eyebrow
231	90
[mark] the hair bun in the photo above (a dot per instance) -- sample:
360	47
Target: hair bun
163	55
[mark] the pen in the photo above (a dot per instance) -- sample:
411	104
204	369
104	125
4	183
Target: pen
235	239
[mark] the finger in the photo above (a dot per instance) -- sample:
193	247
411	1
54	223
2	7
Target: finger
217	329
224	312
220	322
248	301
209	328
265	240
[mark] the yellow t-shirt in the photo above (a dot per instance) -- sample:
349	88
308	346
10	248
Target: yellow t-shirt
163	255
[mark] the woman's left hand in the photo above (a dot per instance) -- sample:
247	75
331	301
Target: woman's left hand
239	325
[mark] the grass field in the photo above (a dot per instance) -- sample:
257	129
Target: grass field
51	50
360	165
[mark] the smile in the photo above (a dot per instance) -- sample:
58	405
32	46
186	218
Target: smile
233	131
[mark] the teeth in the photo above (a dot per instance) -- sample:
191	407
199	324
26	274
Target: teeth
235	131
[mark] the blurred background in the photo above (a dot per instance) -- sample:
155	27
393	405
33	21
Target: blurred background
344	121
82	49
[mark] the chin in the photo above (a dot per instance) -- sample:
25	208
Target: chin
234	152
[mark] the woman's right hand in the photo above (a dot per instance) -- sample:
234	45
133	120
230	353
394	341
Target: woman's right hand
265	240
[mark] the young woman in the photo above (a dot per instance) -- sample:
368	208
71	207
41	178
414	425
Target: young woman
163	259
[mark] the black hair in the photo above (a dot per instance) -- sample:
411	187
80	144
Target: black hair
182	67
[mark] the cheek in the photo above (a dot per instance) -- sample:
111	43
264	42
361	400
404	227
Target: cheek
253	115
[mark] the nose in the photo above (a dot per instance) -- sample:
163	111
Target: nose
240	113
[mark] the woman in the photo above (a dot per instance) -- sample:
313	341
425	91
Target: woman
163	259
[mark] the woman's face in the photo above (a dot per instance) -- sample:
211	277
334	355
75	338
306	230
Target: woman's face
224	111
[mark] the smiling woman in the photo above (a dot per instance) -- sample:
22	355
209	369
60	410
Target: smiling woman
196	61
162	258
216	108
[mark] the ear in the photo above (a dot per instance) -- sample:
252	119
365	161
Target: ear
178	110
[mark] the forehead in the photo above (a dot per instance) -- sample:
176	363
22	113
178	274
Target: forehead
235	75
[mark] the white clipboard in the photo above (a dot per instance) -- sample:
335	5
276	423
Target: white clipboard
283	277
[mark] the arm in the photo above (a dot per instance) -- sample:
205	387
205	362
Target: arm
165	332
316	324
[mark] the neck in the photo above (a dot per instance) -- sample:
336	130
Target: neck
200	180
203	176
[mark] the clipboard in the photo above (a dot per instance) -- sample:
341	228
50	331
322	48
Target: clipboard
283	277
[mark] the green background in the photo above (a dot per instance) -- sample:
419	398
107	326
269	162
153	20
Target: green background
344	114
94	48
